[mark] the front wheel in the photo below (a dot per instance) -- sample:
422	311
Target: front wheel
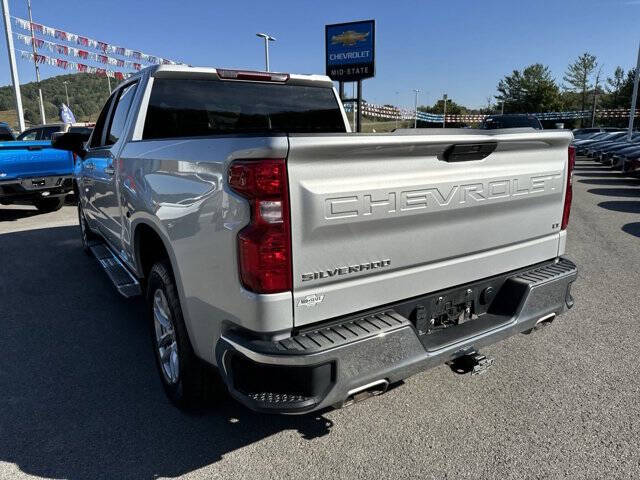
187	380
47	205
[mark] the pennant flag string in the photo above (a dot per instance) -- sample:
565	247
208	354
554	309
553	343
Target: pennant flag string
66	65
77	52
91	43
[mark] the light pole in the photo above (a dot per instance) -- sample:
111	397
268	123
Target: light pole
267	39
634	98
35	62
397	108
66	92
444	114
415	108
12	64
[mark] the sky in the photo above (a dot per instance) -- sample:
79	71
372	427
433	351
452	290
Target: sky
459	47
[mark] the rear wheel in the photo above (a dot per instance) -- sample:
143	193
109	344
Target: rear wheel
46	205
187	380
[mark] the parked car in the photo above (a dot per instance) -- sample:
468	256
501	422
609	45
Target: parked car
589	137
582	146
33	172
45	132
493	122
312	266
6	134
596	149
584	132
631	165
605	154
625	159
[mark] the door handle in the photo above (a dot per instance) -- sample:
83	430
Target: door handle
109	170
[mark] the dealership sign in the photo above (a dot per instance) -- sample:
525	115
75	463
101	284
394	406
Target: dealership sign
350	50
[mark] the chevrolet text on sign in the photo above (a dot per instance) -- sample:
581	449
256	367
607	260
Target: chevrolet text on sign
350	50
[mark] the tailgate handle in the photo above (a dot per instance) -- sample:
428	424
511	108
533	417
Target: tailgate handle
34	147
466	152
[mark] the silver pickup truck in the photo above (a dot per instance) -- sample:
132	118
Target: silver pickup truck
306	266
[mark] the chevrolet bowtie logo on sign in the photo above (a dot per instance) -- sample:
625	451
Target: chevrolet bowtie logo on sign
350	37
350	49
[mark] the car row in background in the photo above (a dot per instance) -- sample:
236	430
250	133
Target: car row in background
32	171
611	147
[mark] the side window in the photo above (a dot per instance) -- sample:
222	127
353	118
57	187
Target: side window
96	138
46	132
28	135
119	118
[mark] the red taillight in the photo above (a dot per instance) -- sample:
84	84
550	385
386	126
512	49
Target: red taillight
264	246
569	193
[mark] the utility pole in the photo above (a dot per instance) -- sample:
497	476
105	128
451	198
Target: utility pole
66	92
109	83
397	109
444	115
267	39
35	62
502	108
12	63
634	98
415	108
595	97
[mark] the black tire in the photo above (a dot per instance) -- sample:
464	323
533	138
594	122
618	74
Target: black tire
197	383
48	205
86	234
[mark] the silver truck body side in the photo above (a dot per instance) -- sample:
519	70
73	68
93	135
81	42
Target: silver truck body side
177	187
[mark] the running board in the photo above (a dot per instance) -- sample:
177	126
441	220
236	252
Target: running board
126	284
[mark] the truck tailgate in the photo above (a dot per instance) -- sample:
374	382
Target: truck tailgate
33	159
381	218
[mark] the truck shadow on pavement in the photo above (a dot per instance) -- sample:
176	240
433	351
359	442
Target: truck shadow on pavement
80	396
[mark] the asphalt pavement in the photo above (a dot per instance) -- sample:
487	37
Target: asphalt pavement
80	397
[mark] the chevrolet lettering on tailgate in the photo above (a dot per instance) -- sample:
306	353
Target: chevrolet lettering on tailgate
432	198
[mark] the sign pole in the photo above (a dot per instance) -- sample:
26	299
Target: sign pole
359	103
634	98
12	63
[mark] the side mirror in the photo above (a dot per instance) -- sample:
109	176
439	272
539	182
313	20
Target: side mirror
72	142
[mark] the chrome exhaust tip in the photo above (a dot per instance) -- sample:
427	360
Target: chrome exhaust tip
366	391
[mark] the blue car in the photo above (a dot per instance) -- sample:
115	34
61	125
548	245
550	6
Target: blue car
33	172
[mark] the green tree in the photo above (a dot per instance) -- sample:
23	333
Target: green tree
578	76
528	91
614	85
452	108
87	95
